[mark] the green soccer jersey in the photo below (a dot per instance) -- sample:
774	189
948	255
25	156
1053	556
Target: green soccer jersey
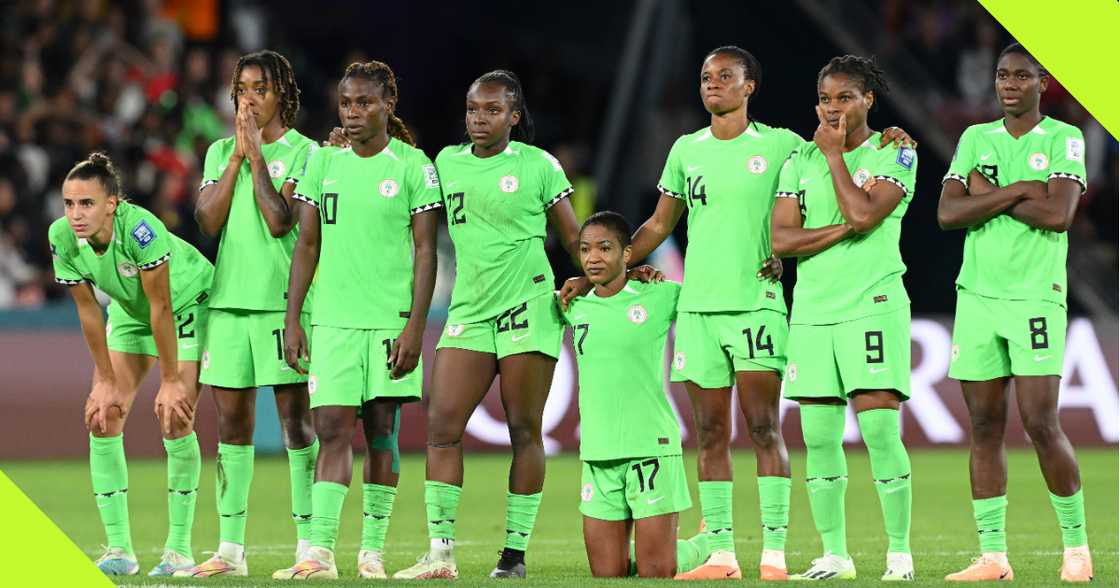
620	350
728	187
251	272
1004	257
364	277
496	215
140	242
861	275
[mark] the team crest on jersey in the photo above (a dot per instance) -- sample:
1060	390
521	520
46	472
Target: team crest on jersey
312	385
791	372
205	360
757	164
1039	161
276	168
956	353
587	492
389	188
454	330
508	184
143	234
905	157
128	269
861	176
637	314
678	360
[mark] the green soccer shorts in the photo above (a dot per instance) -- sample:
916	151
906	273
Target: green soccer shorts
994	338
126	334
532	326
711	346
625	489
245	349
833	361
350	367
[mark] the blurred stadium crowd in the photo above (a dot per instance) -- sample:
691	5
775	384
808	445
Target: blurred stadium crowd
147	81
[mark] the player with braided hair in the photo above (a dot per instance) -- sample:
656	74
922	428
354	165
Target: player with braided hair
374	258
246	200
839	206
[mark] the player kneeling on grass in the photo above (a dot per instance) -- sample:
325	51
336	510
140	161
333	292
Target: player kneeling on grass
376	261
630	442
158	285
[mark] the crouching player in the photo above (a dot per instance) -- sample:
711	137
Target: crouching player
630	443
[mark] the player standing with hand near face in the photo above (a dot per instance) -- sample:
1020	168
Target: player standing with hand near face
1014	183
246	199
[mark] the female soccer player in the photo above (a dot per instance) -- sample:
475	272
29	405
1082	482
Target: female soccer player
376	261
1017	181
499	192
849	331
158	285
246	198
630	443
731	329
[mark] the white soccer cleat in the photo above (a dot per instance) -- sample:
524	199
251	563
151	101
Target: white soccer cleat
900	568
430	567
171	562
117	562
829	567
215	566
318	565
370	565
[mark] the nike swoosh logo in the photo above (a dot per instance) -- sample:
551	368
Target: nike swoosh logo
328	182
804	181
1042	357
654	500
985	156
189	346
449	184
895	489
877	371
693	168
518	338
398	380
576	318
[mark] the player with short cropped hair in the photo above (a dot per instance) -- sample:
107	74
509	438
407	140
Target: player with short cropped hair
1014	183
499	192
368	237
731	327
839	207
246	199
634	479
158	287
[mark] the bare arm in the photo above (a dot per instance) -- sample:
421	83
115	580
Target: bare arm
93	330
276	207
863	210
405	353
305	258
212	209
1052	209
563	221
961	207
657	228
157	287
789	238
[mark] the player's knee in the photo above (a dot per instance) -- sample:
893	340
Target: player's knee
822	438
713	433
297	430
764	435
178	428
114	425
523	435
1043	431
987	428
655	569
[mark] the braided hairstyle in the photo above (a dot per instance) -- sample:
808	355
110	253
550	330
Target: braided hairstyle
381	74
98	165
863	70
279	73
1017	48
523	131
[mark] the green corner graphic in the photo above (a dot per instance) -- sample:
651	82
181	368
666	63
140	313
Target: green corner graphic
47	556
1075	41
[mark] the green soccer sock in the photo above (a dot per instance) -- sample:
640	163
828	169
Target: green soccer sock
184	465
890	467
692	553
235	476
442	503
826	471
715	507
326	504
521	515
773	503
377	507
301	468
1071	518
109	475
991	523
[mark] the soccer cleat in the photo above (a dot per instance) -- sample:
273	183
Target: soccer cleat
829	567
215	566
900	568
318	565
772	567
428	567
117	562
302	545
986	568
511	564
1077	565
370	565
171	562
721	565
